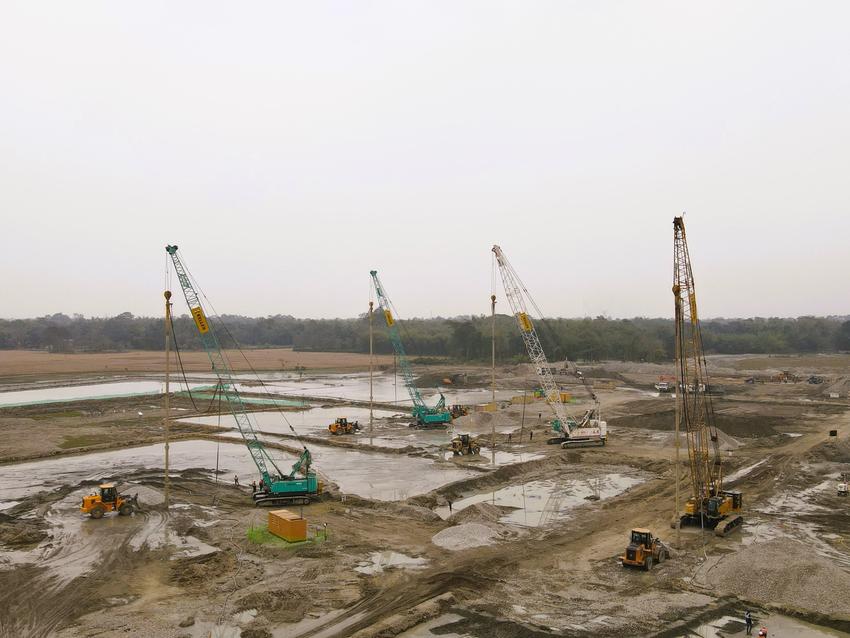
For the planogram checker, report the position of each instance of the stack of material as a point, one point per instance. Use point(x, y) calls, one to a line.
point(288, 526)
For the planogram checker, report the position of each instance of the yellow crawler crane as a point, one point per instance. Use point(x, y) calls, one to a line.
point(710, 506)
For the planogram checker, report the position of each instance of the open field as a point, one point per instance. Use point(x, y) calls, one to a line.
point(31, 363)
point(528, 549)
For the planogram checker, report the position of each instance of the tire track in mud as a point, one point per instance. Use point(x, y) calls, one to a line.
point(60, 579)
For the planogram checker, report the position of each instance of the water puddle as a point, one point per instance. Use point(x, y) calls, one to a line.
point(377, 476)
point(354, 387)
point(539, 503)
point(380, 561)
point(778, 626)
point(314, 421)
point(502, 457)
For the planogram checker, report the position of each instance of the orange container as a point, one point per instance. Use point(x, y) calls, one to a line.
point(288, 526)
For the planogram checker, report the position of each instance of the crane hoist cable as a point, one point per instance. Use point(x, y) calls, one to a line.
point(590, 429)
point(218, 320)
point(216, 391)
point(276, 487)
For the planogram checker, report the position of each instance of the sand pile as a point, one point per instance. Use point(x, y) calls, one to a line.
point(787, 573)
point(149, 496)
point(483, 422)
point(840, 385)
point(478, 513)
point(465, 536)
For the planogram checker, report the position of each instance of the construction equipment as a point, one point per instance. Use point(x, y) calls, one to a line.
point(425, 417)
point(644, 550)
point(343, 426)
point(589, 429)
point(786, 376)
point(459, 410)
point(709, 506)
point(844, 485)
point(301, 484)
point(109, 500)
point(464, 444)
point(665, 384)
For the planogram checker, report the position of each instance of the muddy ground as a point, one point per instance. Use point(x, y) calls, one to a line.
point(204, 567)
point(32, 364)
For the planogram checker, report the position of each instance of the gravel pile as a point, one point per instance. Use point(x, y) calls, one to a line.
point(788, 573)
point(465, 536)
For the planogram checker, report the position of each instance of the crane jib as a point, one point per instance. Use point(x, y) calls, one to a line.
point(265, 464)
point(569, 428)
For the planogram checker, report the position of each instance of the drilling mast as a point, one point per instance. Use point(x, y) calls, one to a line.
point(709, 505)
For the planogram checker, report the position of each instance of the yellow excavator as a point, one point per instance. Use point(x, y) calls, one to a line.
point(109, 500)
point(710, 506)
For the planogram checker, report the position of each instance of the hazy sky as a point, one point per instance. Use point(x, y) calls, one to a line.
point(290, 147)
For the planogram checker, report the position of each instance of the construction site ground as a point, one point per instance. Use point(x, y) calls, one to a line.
point(408, 539)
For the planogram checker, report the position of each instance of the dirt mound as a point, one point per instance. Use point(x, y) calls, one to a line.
point(478, 513)
point(465, 536)
point(839, 385)
point(734, 425)
point(278, 605)
point(148, 496)
point(201, 570)
point(21, 534)
point(482, 422)
point(787, 573)
point(837, 451)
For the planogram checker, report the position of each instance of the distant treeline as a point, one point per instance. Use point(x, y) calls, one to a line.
point(461, 338)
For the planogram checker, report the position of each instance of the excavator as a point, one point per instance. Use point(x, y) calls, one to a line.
point(109, 500)
point(589, 429)
point(709, 506)
point(298, 486)
point(465, 444)
point(424, 416)
point(343, 426)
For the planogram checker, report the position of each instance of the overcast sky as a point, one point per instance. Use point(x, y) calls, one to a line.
point(290, 147)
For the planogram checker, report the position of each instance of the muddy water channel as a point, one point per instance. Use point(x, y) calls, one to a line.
point(539, 503)
point(312, 421)
point(88, 392)
point(315, 421)
point(377, 476)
